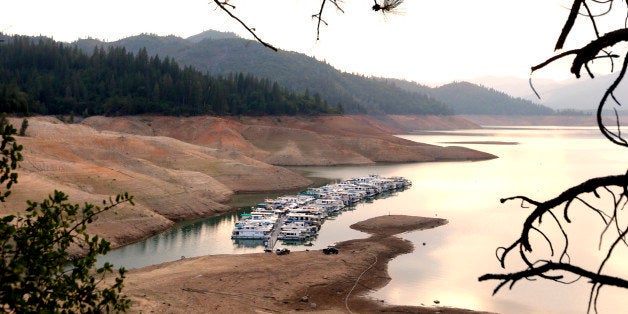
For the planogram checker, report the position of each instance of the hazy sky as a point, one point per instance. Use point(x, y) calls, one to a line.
point(429, 41)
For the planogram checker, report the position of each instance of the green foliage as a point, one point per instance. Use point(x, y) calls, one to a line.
point(11, 155)
point(297, 72)
point(13, 99)
point(37, 273)
point(58, 79)
point(23, 127)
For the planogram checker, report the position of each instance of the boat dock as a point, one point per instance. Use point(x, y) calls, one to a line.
point(299, 217)
point(269, 245)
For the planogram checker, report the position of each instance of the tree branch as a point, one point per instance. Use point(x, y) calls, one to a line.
point(571, 19)
point(590, 51)
point(615, 138)
point(543, 268)
point(319, 15)
point(223, 5)
point(550, 266)
point(567, 195)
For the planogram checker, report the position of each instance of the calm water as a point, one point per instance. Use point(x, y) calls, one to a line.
point(543, 163)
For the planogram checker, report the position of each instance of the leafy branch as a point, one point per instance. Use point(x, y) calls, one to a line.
point(37, 272)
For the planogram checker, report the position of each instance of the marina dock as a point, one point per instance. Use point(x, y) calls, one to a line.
point(269, 244)
point(299, 217)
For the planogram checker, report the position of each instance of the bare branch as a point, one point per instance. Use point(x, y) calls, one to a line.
point(550, 266)
point(590, 51)
point(554, 58)
point(615, 138)
point(592, 18)
point(319, 15)
point(573, 14)
point(546, 269)
point(224, 6)
point(532, 87)
point(569, 194)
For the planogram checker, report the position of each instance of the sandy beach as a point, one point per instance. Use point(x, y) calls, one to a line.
point(270, 283)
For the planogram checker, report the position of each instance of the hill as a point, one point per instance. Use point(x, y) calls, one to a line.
point(42, 76)
point(211, 34)
point(217, 55)
point(467, 98)
point(223, 53)
point(578, 94)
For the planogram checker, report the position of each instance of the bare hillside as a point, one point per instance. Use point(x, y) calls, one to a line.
point(186, 168)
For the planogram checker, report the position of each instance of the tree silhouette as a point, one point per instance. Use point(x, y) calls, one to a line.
point(378, 6)
point(605, 197)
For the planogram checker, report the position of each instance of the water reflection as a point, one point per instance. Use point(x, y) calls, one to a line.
point(545, 162)
point(213, 236)
point(248, 243)
point(188, 239)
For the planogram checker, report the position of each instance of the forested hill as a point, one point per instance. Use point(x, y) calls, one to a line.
point(41, 76)
point(469, 98)
point(220, 53)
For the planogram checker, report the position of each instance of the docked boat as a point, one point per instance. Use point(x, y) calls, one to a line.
point(304, 226)
point(292, 235)
point(297, 230)
point(253, 229)
point(304, 213)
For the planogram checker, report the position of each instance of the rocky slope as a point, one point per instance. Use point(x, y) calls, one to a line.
point(186, 168)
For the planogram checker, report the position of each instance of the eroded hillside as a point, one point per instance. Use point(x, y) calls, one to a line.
point(186, 168)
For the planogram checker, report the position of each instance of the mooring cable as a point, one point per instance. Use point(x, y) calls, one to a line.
point(356, 283)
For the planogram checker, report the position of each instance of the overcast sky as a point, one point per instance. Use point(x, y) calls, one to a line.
point(428, 41)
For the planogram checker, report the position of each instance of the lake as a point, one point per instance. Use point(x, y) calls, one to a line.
point(535, 162)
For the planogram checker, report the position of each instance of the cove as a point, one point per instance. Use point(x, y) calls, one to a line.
point(537, 162)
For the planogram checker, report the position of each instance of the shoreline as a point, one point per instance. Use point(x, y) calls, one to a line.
point(299, 281)
point(185, 168)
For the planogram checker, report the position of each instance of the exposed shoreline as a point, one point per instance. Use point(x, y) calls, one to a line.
point(190, 168)
point(187, 168)
point(299, 281)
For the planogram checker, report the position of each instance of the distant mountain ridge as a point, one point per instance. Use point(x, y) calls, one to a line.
point(211, 35)
point(468, 98)
point(579, 94)
point(224, 53)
